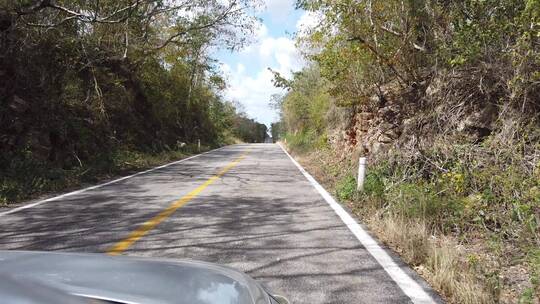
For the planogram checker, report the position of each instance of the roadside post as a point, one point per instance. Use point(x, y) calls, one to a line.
point(361, 174)
point(198, 145)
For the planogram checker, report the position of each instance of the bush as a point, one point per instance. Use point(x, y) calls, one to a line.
point(306, 141)
point(346, 188)
point(374, 184)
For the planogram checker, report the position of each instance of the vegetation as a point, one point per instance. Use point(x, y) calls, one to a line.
point(89, 86)
point(366, 45)
point(443, 96)
point(303, 109)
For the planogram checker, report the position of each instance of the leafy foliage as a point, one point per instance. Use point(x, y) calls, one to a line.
point(363, 47)
point(346, 188)
point(451, 89)
point(303, 109)
point(85, 81)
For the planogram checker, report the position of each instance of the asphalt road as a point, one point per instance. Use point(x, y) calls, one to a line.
point(244, 206)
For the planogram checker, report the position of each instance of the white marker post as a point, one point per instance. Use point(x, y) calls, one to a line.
point(198, 145)
point(361, 174)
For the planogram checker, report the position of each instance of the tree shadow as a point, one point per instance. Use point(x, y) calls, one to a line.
point(262, 217)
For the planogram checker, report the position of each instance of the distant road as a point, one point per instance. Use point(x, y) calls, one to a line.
point(245, 206)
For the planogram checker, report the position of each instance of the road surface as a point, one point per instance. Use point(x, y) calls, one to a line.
point(245, 206)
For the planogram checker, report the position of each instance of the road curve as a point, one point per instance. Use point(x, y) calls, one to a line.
point(244, 206)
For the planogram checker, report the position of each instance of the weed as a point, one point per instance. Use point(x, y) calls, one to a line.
point(411, 239)
point(440, 260)
point(527, 297)
point(346, 188)
point(374, 185)
point(460, 193)
point(534, 265)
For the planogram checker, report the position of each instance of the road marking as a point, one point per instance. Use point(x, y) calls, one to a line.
point(10, 211)
point(152, 223)
point(407, 284)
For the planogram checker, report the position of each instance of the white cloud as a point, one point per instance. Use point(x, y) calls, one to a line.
point(254, 90)
point(279, 53)
point(281, 50)
point(261, 32)
point(240, 68)
point(279, 9)
point(307, 21)
point(250, 81)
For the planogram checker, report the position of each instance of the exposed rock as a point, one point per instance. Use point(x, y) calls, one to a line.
point(479, 123)
point(364, 116)
point(378, 148)
point(385, 126)
point(363, 128)
point(394, 133)
point(385, 138)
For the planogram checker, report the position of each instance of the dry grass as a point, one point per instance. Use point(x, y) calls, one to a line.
point(437, 258)
point(454, 277)
point(440, 262)
point(411, 240)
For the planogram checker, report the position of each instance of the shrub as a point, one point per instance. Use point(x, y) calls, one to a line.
point(305, 141)
point(346, 188)
point(374, 184)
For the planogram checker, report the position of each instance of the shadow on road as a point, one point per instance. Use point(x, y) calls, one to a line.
point(262, 217)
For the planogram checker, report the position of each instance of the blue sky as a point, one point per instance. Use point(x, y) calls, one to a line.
point(250, 82)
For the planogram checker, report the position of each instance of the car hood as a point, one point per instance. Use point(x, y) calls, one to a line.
point(132, 280)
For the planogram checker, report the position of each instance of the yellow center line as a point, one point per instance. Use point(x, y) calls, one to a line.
point(143, 229)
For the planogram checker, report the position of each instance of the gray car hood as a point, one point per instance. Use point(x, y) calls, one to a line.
point(131, 280)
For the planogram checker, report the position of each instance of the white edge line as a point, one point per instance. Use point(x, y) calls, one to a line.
point(408, 285)
point(101, 185)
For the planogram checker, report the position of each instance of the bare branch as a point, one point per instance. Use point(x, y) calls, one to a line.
point(214, 22)
point(126, 39)
point(393, 32)
point(80, 16)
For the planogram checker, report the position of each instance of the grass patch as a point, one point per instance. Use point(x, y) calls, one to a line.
point(438, 260)
point(465, 217)
point(534, 264)
point(25, 178)
point(303, 142)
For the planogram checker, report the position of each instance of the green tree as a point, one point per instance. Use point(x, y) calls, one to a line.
point(304, 107)
point(86, 81)
point(276, 131)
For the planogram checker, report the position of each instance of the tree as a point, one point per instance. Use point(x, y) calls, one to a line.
point(276, 131)
point(369, 48)
point(83, 81)
point(365, 45)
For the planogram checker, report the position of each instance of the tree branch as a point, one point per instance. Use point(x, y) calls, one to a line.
point(391, 31)
point(380, 56)
point(43, 4)
point(214, 22)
